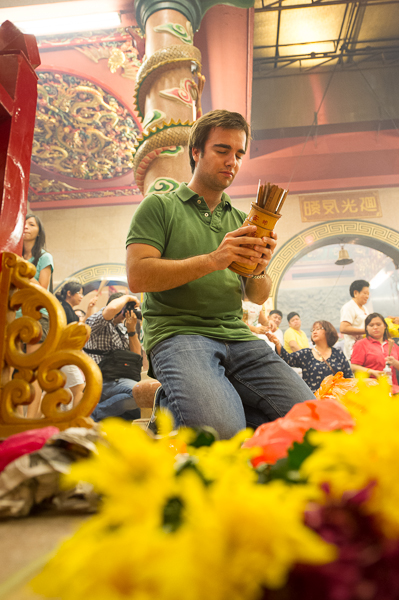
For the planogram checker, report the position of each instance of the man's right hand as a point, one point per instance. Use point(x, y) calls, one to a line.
point(130, 321)
point(237, 246)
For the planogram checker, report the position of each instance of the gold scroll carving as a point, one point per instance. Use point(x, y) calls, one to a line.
point(62, 346)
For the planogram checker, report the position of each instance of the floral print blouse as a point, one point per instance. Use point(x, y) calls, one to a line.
point(314, 371)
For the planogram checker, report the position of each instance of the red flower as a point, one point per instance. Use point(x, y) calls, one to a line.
point(275, 438)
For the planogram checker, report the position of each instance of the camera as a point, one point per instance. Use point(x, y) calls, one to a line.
point(131, 306)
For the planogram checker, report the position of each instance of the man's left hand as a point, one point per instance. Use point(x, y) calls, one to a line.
point(267, 252)
point(130, 321)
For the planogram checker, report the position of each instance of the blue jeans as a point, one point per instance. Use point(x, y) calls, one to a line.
point(117, 401)
point(226, 385)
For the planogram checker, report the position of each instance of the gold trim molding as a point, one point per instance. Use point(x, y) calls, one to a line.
point(95, 272)
point(62, 346)
point(318, 235)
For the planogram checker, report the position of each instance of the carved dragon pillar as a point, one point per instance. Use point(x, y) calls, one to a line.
point(167, 96)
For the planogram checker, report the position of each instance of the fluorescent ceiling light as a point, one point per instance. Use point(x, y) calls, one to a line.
point(70, 24)
point(379, 279)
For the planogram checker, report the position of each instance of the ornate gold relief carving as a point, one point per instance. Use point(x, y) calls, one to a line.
point(81, 130)
point(62, 346)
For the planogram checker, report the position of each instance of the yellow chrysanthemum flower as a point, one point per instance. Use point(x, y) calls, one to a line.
point(351, 461)
point(252, 534)
point(215, 461)
point(228, 539)
point(132, 470)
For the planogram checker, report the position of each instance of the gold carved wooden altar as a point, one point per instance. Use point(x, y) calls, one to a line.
point(62, 346)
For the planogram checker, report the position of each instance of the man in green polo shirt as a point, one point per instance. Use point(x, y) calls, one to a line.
point(213, 370)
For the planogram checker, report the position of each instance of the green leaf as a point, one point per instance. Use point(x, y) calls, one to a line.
point(287, 469)
point(172, 514)
point(203, 436)
point(298, 453)
point(190, 464)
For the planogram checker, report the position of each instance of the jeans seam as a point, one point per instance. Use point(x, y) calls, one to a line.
point(174, 401)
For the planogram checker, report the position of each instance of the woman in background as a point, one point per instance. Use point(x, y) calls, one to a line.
point(321, 360)
point(71, 295)
point(34, 251)
point(376, 354)
point(34, 242)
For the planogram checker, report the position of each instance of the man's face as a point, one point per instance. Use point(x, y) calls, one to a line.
point(119, 318)
point(362, 296)
point(295, 323)
point(276, 318)
point(221, 160)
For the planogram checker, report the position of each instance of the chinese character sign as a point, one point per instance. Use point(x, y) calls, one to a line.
point(342, 205)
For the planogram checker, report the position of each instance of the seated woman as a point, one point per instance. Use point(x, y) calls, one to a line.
point(71, 295)
point(376, 354)
point(321, 360)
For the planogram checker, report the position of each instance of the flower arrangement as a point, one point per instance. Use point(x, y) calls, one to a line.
point(187, 517)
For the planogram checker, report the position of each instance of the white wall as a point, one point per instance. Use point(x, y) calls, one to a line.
point(80, 237)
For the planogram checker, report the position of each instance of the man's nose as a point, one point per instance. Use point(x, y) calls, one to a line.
point(231, 159)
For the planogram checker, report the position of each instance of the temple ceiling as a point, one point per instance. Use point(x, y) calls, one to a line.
point(317, 80)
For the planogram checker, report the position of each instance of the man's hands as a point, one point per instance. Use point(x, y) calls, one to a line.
point(130, 316)
point(130, 321)
point(149, 272)
point(261, 329)
point(241, 246)
point(91, 308)
point(275, 341)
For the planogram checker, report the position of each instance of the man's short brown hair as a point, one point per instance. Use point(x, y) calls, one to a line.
point(216, 118)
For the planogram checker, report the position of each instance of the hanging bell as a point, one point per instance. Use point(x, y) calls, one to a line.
point(343, 258)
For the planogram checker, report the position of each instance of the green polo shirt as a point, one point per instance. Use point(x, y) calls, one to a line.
point(179, 224)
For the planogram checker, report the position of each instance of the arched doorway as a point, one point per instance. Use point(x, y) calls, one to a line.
point(106, 277)
point(301, 283)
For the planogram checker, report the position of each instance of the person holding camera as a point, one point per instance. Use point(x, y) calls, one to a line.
point(115, 347)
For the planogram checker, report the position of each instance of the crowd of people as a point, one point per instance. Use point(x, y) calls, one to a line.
point(220, 359)
point(112, 328)
point(369, 345)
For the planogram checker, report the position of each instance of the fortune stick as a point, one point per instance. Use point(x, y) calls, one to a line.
point(270, 197)
point(264, 213)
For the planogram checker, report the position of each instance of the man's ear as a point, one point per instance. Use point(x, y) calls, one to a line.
point(195, 154)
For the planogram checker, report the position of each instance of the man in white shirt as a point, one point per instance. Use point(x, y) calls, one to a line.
point(276, 316)
point(353, 315)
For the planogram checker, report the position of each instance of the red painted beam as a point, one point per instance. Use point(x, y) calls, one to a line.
point(18, 93)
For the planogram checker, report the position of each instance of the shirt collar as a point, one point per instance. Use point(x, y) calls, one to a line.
point(376, 341)
point(185, 194)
